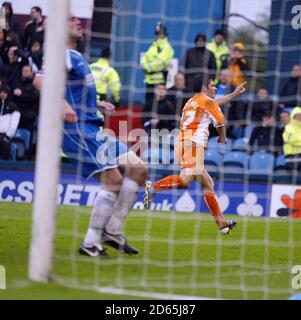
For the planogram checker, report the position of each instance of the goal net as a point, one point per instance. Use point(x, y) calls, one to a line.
point(181, 254)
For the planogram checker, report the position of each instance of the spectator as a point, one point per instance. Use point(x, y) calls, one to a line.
point(11, 71)
point(219, 47)
point(284, 118)
point(26, 98)
point(156, 60)
point(159, 112)
point(39, 34)
point(267, 137)
point(178, 94)
point(234, 111)
point(198, 60)
point(35, 56)
point(261, 105)
point(224, 86)
point(292, 140)
point(4, 44)
point(12, 25)
point(106, 78)
point(9, 120)
point(237, 64)
point(31, 27)
point(289, 92)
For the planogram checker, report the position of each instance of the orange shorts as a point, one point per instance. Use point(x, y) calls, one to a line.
point(190, 155)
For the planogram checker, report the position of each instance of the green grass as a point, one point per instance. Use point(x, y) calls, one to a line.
point(179, 254)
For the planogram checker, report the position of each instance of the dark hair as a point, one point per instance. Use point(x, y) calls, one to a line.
point(5, 88)
point(9, 6)
point(200, 36)
point(38, 9)
point(219, 31)
point(268, 114)
point(200, 80)
point(27, 65)
point(160, 27)
point(284, 111)
point(106, 53)
point(33, 41)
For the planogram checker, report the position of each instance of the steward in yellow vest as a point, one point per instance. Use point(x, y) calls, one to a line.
point(156, 60)
point(106, 78)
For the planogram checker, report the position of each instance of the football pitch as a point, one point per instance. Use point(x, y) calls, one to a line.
point(180, 254)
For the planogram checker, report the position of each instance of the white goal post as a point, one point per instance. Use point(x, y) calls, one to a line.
point(49, 142)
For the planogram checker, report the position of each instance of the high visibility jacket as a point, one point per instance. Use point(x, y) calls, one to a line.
point(292, 134)
point(106, 79)
point(156, 60)
point(220, 51)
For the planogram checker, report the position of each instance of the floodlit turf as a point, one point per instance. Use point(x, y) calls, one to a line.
point(179, 254)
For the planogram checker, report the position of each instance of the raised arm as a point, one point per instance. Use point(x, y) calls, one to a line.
point(239, 90)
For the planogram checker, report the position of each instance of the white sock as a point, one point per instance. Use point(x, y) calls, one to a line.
point(101, 213)
point(125, 202)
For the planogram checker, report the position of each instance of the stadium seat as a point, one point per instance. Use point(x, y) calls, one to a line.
point(212, 157)
point(212, 162)
point(240, 145)
point(234, 165)
point(280, 162)
point(261, 166)
point(22, 140)
point(237, 132)
point(261, 162)
point(248, 131)
point(221, 148)
point(281, 174)
point(13, 151)
point(24, 135)
point(236, 159)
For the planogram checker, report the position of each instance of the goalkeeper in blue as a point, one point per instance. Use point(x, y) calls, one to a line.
point(119, 170)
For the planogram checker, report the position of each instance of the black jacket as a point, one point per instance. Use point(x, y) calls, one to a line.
point(7, 107)
point(198, 60)
point(11, 72)
point(30, 34)
point(289, 92)
point(267, 138)
point(178, 98)
point(28, 101)
point(260, 108)
point(162, 110)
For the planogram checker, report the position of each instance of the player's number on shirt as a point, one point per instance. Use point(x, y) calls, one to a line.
point(189, 117)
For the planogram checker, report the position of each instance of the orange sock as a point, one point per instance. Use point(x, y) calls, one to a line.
point(214, 208)
point(170, 182)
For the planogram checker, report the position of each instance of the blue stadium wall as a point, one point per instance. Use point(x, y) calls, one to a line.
point(133, 31)
point(284, 43)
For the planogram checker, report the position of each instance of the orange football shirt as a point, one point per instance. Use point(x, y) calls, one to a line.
point(197, 114)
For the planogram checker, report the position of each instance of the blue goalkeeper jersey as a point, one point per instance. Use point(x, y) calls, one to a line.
point(81, 89)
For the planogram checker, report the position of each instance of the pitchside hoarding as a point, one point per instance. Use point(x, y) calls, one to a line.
point(236, 198)
point(286, 201)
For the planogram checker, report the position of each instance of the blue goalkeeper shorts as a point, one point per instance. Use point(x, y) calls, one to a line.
point(89, 150)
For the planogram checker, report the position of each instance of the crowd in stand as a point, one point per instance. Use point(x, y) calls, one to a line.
point(21, 54)
point(20, 58)
point(269, 120)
